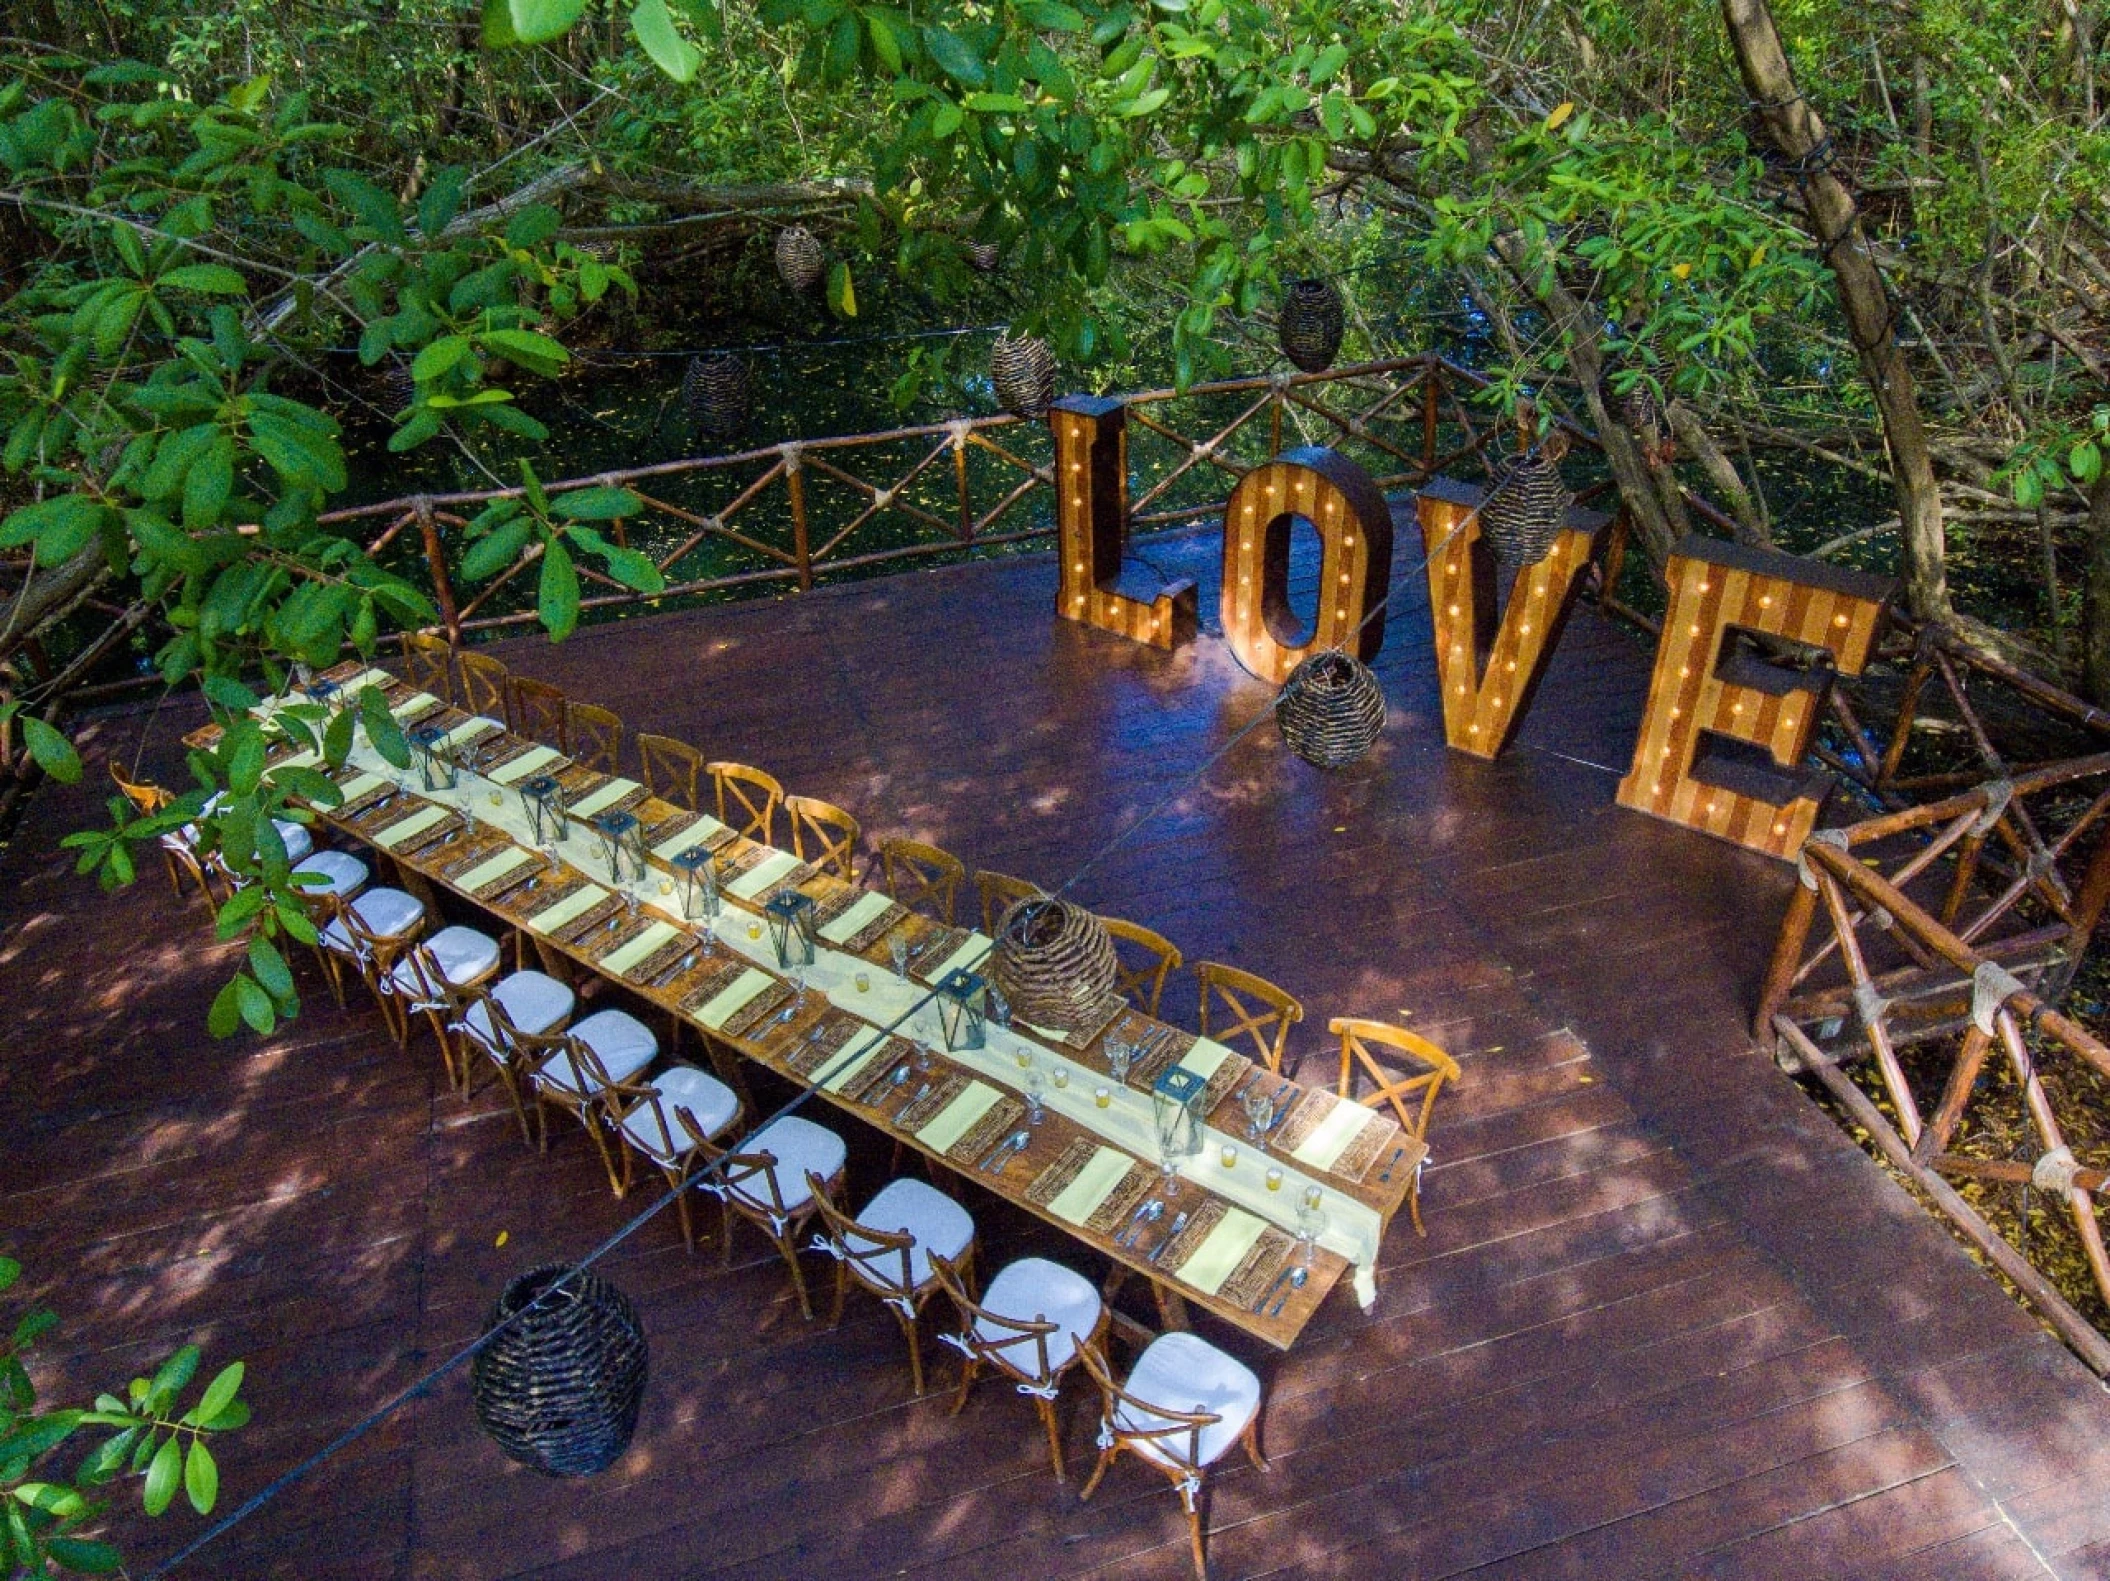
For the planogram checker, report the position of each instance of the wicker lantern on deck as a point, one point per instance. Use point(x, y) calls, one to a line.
point(1526, 503)
point(1310, 324)
point(559, 1389)
point(1331, 710)
point(1054, 963)
point(801, 260)
point(717, 393)
point(1023, 370)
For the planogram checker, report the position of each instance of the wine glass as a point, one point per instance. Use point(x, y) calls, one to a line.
point(1036, 1098)
point(897, 951)
point(798, 993)
point(1259, 1112)
point(1311, 1223)
point(1119, 1053)
point(1168, 1168)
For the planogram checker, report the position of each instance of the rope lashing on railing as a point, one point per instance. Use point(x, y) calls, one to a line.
point(2055, 1172)
point(788, 456)
point(1870, 1006)
point(1998, 794)
point(1835, 838)
point(958, 430)
point(1992, 985)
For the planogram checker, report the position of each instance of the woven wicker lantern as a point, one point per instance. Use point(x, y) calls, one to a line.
point(1023, 370)
point(801, 260)
point(1331, 709)
point(559, 1390)
point(396, 385)
point(717, 393)
point(984, 257)
point(1526, 503)
point(1054, 963)
point(1310, 323)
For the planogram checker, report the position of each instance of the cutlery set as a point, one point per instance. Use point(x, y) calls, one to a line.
point(1006, 1150)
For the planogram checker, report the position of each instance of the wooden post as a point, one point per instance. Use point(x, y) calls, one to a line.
point(1431, 394)
point(1787, 957)
point(959, 473)
point(436, 564)
point(1091, 519)
point(795, 481)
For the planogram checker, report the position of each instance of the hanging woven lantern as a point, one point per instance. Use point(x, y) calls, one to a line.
point(1309, 325)
point(395, 384)
point(801, 260)
point(559, 1390)
point(984, 256)
point(1023, 370)
point(1331, 709)
point(1526, 503)
point(1054, 963)
point(717, 393)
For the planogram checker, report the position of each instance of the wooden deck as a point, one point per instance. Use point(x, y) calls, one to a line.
point(1666, 1321)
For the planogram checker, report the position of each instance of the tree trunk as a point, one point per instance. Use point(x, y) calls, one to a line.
point(2095, 597)
point(1800, 134)
point(1722, 476)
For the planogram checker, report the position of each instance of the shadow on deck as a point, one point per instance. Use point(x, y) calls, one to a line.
point(1667, 1319)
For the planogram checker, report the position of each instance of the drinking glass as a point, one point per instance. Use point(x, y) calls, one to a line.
point(1102, 1097)
point(1119, 1054)
point(1059, 1077)
point(1168, 1169)
point(1036, 1097)
point(1311, 1223)
point(897, 951)
point(863, 980)
point(1274, 1179)
point(1259, 1112)
point(798, 995)
point(1229, 1155)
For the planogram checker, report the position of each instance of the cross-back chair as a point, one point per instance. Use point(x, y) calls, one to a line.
point(1033, 1352)
point(767, 1183)
point(1252, 1007)
point(1412, 1096)
point(593, 735)
point(484, 689)
point(430, 977)
point(1143, 961)
point(829, 830)
point(495, 1019)
point(537, 709)
point(370, 932)
point(659, 1120)
point(888, 1249)
point(747, 799)
point(999, 892)
point(922, 876)
point(1185, 1404)
point(428, 664)
point(673, 770)
point(334, 873)
point(577, 1068)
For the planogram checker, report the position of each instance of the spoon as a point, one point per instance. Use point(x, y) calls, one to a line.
point(1152, 1212)
point(1296, 1282)
point(1014, 1143)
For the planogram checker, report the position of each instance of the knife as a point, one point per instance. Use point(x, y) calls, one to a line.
point(1137, 1220)
point(1275, 1285)
point(1171, 1235)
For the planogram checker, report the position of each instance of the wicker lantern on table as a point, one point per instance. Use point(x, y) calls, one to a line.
point(559, 1389)
point(1331, 710)
point(1526, 503)
point(1023, 370)
point(1310, 324)
point(717, 393)
point(1054, 963)
point(801, 260)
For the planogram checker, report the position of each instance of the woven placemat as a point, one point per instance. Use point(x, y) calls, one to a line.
point(1304, 1118)
point(708, 962)
point(981, 1137)
point(429, 839)
point(720, 979)
point(741, 863)
point(1234, 1069)
point(935, 950)
point(1250, 1280)
point(577, 781)
point(660, 960)
point(506, 883)
point(918, 1112)
point(1164, 1053)
point(483, 843)
point(1357, 1157)
point(1084, 1036)
point(522, 902)
point(677, 822)
point(1192, 1234)
point(594, 916)
point(609, 940)
point(355, 809)
point(1051, 1182)
point(1123, 1200)
point(871, 1086)
point(502, 753)
point(829, 907)
point(867, 936)
point(742, 1022)
point(826, 1038)
point(790, 880)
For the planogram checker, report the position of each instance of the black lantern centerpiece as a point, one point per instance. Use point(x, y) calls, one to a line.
point(1177, 1098)
point(1310, 324)
point(791, 932)
point(963, 1009)
point(542, 799)
point(1331, 710)
point(438, 768)
point(699, 885)
point(559, 1384)
point(1055, 963)
point(623, 843)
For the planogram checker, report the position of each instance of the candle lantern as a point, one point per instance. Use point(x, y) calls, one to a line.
point(437, 767)
point(623, 843)
point(791, 929)
point(699, 883)
point(963, 1009)
point(1176, 1100)
point(542, 798)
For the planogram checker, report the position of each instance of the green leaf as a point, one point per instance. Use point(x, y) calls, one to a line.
point(245, 759)
point(1051, 17)
point(54, 754)
point(557, 594)
point(438, 357)
point(498, 25)
point(996, 104)
point(537, 353)
point(271, 971)
point(167, 1465)
point(84, 1555)
point(209, 485)
point(254, 1004)
point(337, 739)
point(10, 1271)
point(225, 1014)
point(376, 210)
point(175, 1375)
point(956, 58)
point(382, 730)
point(497, 549)
point(842, 293)
point(539, 21)
point(226, 1384)
point(656, 33)
point(630, 567)
point(231, 694)
point(884, 44)
point(597, 504)
point(201, 1477)
point(441, 200)
point(210, 279)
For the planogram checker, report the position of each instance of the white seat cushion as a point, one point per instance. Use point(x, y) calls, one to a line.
point(623, 1044)
point(798, 1145)
point(1036, 1290)
point(386, 913)
point(532, 1001)
point(343, 873)
point(938, 1223)
point(708, 1100)
point(462, 955)
point(295, 837)
point(1183, 1372)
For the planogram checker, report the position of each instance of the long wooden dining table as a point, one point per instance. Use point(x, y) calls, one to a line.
point(1256, 1231)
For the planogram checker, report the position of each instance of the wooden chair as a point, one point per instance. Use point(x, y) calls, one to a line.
point(767, 1184)
point(919, 874)
point(537, 709)
point(432, 973)
point(496, 1019)
point(661, 1119)
point(428, 664)
point(593, 735)
point(831, 831)
point(888, 1248)
point(752, 797)
point(577, 1070)
point(370, 933)
point(1266, 1028)
point(1435, 1068)
point(484, 685)
point(999, 891)
point(1033, 1352)
point(1144, 960)
point(1222, 1408)
point(340, 876)
point(673, 770)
